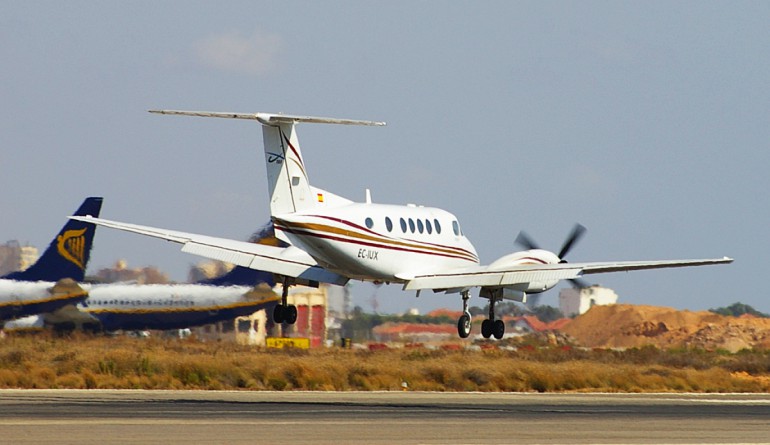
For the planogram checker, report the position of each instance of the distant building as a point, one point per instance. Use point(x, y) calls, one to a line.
point(206, 270)
point(529, 323)
point(247, 330)
point(578, 301)
point(14, 257)
point(312, 320)
point(121, 273)
point(414, 333)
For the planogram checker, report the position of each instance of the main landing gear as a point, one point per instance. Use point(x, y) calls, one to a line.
point(489, 327)
point(284, 312)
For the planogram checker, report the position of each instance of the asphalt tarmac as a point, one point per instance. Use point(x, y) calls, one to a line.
point(185, 417)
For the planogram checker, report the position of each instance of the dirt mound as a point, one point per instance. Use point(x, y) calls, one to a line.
point(626, 326)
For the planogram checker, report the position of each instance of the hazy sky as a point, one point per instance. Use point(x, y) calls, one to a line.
point(648, 122)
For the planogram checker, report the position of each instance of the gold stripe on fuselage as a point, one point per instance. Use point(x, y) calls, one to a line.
point(388, 242)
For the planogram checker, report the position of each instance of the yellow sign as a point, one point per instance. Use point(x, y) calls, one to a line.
point(71, 245)
point(298, 343)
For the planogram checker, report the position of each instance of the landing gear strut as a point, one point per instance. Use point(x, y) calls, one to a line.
point(464, 323)
point(284, 312)
point(490, 326)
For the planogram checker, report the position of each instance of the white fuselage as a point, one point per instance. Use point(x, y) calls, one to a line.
point(163, 306)
point(21, 298)
point(379, 242)
point(14, 291)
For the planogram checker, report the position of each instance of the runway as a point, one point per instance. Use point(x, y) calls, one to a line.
point(176, 417)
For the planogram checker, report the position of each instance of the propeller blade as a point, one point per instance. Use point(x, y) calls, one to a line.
point(526, 242)
point(577, 232)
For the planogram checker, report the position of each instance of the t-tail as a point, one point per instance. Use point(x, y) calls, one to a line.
point(288, 183)
point(67, 255)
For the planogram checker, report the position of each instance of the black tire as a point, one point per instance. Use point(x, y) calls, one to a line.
point(290, 314)
point(486, 328)
point(278, 314)
point(464, 325)
point(498, 329)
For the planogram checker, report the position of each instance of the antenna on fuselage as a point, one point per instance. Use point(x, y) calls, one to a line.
point(368, 196)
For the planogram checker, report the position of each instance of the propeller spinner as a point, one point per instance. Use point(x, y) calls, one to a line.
point(577, 232)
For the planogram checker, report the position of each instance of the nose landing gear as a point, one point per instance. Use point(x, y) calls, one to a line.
point(464, 323)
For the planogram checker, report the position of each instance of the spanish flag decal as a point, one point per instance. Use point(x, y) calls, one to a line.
point(320, 197)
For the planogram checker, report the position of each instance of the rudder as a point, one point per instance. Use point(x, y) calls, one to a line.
point(288, 184)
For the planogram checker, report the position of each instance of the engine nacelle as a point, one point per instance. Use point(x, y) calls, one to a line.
point(533, 257)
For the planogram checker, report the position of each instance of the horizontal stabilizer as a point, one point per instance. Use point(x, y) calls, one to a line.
point(270, 119)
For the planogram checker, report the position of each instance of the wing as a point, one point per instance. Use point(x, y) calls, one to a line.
point(485, 277)
point(286, 261)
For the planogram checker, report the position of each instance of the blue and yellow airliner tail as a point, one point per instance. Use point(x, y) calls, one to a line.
point(68, 254)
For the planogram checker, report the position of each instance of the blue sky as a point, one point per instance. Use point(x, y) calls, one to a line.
point(647, 122)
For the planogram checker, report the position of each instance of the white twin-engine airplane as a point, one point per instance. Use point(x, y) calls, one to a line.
point(333, 240)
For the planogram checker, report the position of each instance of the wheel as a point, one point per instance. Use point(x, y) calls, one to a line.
point(486, 328)
point(290, 314)
point(498, 329)
point(464, 325)
point(278, 314)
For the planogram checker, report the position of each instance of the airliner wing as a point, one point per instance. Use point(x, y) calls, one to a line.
point(528, 273)
point(288, 261)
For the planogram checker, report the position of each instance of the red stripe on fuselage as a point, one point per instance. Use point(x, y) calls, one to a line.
point(459, 250)
point(369, 244)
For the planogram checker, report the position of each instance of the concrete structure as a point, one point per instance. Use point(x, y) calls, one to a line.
point(578, 301)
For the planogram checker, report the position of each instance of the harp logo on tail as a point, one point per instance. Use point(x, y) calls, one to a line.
point(71, 246)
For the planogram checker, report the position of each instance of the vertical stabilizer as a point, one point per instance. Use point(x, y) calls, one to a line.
point(67, 255)
point(287, 181)
point(288, 184)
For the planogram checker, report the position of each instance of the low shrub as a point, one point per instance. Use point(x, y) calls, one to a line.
point(158, 363)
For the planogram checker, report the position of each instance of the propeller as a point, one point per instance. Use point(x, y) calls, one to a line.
point(528, 243)
point(577, 232)
point(525, 241)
